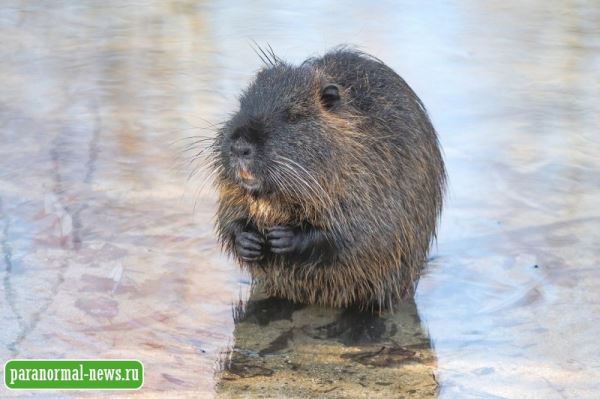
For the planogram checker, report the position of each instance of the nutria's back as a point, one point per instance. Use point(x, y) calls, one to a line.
point(331, 181)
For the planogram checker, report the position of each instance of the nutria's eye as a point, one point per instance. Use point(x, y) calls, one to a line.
point(330, 96)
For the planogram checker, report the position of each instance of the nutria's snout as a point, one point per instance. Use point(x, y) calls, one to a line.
point(242, 149)
point(242, 154)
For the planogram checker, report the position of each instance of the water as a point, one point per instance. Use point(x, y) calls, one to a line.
point(108, 249)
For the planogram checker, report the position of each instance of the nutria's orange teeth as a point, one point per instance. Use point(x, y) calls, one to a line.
point(245, 175)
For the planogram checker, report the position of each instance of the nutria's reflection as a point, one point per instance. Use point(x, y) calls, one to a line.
point(284, 349)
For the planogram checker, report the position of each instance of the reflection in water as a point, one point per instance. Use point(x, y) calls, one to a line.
point(284, 349)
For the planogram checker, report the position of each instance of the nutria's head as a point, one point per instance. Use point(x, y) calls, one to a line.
point(282, 139)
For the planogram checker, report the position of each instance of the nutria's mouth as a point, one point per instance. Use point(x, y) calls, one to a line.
point(247, 180)
point(245, 175)
point(250, 185)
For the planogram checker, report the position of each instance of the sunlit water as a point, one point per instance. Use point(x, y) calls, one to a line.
point(108, 249)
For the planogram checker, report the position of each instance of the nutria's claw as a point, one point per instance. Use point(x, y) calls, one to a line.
point(282, 239)
point(249, 246)
point(255, 240)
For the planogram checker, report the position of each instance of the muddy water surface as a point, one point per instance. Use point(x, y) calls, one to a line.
point(107, 247)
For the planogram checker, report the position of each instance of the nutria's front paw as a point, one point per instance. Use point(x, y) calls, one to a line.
point(282, 239)
point(249, 246)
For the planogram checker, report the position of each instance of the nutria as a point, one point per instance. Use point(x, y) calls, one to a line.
point(330, 181)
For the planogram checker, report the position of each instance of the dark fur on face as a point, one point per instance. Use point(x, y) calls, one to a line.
point(275, 133)
point(330, 180)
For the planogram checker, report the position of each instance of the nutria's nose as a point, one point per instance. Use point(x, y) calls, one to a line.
point(241, 149)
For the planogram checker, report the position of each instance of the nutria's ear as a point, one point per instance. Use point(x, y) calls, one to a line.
point(330, 95)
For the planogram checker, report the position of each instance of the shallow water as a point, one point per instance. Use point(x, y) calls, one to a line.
point(108, 249)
